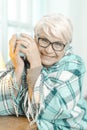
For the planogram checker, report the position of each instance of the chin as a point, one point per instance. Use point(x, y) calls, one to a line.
point(48, 63)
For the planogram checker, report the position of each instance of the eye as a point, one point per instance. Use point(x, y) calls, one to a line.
point(45, 40)
point(58, 44)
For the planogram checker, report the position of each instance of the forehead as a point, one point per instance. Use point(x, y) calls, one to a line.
point(51, 37)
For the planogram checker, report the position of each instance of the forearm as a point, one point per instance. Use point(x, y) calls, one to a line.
point(17, 82)
point(32, 75)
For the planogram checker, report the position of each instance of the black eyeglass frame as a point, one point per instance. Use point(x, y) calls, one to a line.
point(59, 42)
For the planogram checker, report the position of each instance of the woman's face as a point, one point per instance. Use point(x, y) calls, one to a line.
point(48, 55)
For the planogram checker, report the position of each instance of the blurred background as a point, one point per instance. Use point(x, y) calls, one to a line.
point(21, 15)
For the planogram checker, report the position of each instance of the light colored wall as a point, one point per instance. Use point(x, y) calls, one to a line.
point(78, 9)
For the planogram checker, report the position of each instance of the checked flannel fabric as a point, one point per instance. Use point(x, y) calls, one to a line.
point(7, 98)
point(60, 105)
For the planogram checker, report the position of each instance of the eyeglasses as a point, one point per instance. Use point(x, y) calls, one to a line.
point(57, 46)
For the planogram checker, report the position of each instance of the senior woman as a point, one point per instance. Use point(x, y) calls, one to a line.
point(45, 85)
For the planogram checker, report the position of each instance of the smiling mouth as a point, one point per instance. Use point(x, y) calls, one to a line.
point(47, 56)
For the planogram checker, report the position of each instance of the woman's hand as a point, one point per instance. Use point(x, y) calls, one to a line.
point(17, 61)
point(30, 49)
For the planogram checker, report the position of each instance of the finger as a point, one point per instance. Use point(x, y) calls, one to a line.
point(17, 50)
point(21, 48)
point(22, 43)
point(26, 36)
point(12, 43)
point(22, 52)
point(23, 39)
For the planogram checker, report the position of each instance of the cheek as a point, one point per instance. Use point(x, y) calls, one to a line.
point(40, 49)
point(60, 55)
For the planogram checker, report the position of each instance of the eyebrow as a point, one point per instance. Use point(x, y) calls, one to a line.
point(50, 41)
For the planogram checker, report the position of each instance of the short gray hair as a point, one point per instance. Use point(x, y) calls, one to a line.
point(55, 24)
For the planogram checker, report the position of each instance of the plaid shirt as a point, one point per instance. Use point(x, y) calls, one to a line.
point(60, 105)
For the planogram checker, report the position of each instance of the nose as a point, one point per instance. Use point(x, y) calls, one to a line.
point(49, 49)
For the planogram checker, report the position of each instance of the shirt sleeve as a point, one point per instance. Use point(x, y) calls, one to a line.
point(9, 101)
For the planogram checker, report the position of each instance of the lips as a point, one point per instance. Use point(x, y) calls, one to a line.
point(49, 56)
